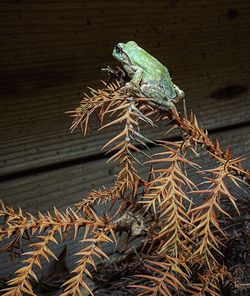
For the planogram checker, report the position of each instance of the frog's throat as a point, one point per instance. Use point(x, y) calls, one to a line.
point(124, 58)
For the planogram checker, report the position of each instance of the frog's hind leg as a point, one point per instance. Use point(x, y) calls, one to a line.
point(157, 96)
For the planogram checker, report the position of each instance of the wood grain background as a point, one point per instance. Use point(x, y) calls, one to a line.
point(51, 50)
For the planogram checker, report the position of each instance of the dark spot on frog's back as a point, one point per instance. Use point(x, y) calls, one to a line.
point(229, 92)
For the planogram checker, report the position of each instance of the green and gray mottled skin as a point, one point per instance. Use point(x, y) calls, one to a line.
point(147, 74)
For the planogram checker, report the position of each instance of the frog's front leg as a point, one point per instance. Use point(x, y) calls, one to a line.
point(136, 74)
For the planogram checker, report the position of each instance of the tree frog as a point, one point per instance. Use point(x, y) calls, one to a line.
point(147, 75)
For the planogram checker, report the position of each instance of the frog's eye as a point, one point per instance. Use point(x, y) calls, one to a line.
point(118, 48)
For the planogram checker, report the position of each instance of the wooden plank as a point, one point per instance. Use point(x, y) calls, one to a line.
point(68, 185)
point(70, 38)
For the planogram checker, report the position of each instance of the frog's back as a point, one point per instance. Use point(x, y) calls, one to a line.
point(147, 62)
point(154, 69)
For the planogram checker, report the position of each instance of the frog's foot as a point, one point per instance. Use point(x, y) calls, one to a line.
point(117, 74)
point(130, 88)
point(179, 94)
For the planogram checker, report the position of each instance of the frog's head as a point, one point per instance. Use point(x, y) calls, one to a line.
point(122, 51)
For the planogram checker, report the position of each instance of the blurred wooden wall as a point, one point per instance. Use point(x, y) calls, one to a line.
point(50, 52)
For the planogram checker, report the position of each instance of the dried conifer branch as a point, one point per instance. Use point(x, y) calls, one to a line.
point(18, 224)
point(74, 284)
point(123, 148)
point(30, 225)
point(14, 226)
point(59, 223)
point(166, 276)
point(198, 135)
point(205, 216)
point(100, 196)
point(166, 197)
point(98, 102)
point(123, 152)
point(168, 200)
point(14, 221)
point(20, 284)
point(175, 243)
point(210, 282)
point(113, 94)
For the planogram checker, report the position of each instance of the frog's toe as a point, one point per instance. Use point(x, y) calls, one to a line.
point(126, 90)
point(129, 89)
point(179, 93)
point(130, 86)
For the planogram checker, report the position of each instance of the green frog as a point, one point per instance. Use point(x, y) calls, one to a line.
point(147, 75)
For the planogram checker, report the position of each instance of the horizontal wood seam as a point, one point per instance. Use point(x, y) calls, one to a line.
point(99, 156)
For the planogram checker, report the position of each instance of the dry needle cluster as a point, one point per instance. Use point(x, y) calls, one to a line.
point(162, 233)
